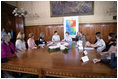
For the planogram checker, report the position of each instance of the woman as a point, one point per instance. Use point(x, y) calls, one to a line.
point(67, 37)
point(55, 37)
point(20, 43)
point(111, 42)
point(7, 51)
point(41, 39)
point(100, 44)
point(7, 48)
point(80, 36)
point(31, 42)
point(113, 58)
point(109, 48)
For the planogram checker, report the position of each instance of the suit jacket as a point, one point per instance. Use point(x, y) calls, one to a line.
point(111, 62)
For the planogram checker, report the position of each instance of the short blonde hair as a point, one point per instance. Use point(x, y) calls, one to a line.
point(30, 35)
point(20, 36)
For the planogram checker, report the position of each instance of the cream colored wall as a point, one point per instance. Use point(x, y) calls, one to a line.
point(39, 13)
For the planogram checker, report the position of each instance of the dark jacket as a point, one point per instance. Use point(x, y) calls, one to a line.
point(111, 62)
point(108, 45)
point(41, 41)
point(83, 38)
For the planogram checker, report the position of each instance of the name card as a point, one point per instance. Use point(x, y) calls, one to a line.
point(85, 58)
point(85, 52)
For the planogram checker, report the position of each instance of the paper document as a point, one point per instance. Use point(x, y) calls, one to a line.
point(85, 58)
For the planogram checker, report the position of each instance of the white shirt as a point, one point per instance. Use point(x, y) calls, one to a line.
point(101, 45)
point(20, 45)
point(55, 38)
point(67, 38)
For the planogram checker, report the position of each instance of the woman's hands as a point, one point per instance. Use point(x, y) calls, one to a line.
point(96, 60)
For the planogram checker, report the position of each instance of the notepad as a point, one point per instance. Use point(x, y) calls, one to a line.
point(85, 58)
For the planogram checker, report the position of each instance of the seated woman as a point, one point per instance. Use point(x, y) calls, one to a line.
point(100, 44)
point(80, 36)
point(7, 48)
point(41, 39)
point(112, 61)
point(67, 38)
point(55, 37)
point(111, 42)
point(20, 43)
point(31, 42)
point(109, 47)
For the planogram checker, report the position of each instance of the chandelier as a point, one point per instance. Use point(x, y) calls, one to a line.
point(19, 12)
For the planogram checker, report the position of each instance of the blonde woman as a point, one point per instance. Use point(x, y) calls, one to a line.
point(31, 42)
point(20, 43)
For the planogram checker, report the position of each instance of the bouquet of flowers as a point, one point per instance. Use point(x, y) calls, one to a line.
point(63, 48)
point(52, 48)
point(59, 46)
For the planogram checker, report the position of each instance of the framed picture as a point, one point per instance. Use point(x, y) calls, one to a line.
point(71, 25)
point(71, 8)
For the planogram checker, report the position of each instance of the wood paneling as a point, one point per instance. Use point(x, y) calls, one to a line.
point(19, 24)
point(88, 29)
point(8, 20)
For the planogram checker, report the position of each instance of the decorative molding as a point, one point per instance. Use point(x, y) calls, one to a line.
point(79, 75)
point(57, 73)
point(19, 68)
point(69, 74)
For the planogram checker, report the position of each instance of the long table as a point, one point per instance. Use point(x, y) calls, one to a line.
point(59, 64)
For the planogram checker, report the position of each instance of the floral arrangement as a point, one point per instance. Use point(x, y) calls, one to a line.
point(63, 46)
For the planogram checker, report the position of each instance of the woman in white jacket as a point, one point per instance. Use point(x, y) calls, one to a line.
point(20, 43)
